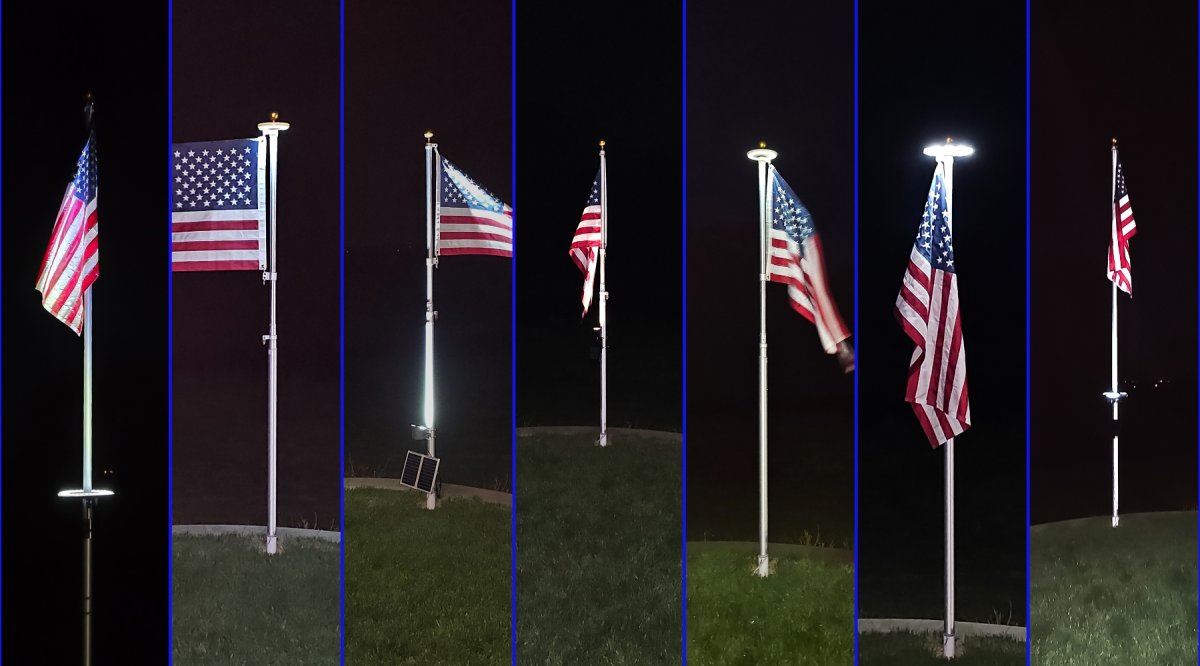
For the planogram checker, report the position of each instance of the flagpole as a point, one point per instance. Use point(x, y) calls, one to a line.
point(945, 154)
point(603, 300)
point(1114, 395)
point(430, 314)
point(763, 156)
point(271, 131)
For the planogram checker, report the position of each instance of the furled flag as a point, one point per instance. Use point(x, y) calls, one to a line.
point(218, 206)
point(588, 237)
point(72, 261)
point(927, 308)
point(1123, 228)
point(469, 219)
point(797, 260)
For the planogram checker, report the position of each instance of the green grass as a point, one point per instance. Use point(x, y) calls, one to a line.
point(1115, 596)
point(234, 605)
point(598, 551)
point(905, 649)
point(426, 587)
point(803, 613)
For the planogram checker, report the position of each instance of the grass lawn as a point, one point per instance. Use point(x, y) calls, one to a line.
point(1115, 596)
point(803, 613)
point(426, 587)
point(903, 648)
point(234, 605)
point(598, 550)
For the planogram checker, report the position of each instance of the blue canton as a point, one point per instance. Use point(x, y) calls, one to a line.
point(459, 190)
point(214, 175)
point(934, 239)
point(788, 213)
point(85, 172)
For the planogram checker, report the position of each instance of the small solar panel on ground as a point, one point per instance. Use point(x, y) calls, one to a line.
point(420, 471)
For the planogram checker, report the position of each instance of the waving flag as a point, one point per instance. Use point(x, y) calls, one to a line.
point(1123, 228)
point(587, 240)
point(72, 260)
point(469, 219)
point(927, 308)
point(218, 206)
point(797, 260)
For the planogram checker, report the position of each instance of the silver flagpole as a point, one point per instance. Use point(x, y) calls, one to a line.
point(1114, 395)
point(271, 130)
point(603, 300)
point(431, 183)
point(763, 156)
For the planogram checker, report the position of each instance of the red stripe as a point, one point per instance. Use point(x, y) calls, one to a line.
point(589, 216)
point(471, 219)
point(475, 235)
point(214, 225)
point(931, 395)
point(196, 246)
point(477, 250)
point(239, 265)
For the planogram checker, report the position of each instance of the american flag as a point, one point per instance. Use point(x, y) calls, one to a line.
point(588, 237)
point(469, 219)
point(72, 260)
point(797, 260)
point(218, 206)
point(1123, 228)
point(927, 308)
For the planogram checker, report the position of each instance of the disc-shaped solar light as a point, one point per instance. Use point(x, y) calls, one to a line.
point(949, 149)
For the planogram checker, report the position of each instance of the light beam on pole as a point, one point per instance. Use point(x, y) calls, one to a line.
point(271, 131)
point(603, 441)
point(431, 184)
point(763, 156)
point(945, 154)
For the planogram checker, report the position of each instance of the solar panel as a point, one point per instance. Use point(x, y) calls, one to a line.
point(420, 471)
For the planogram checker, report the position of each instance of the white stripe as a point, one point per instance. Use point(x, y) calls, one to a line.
point(480, 244)
point(813, 269)
point(948, 319)
point(476, 229)
point(927, 371)
point(184, 256)
point(230, 235)
point(218, 216)
point(935, 423)
point(454, 211)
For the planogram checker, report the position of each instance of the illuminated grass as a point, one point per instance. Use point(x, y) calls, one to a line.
point(426, 587)
point(234, 605)
point(1115, 596)
point(918, 649)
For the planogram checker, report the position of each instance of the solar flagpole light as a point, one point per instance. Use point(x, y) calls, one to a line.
point(1114, 395)
point(88, 494)
point(945, 154)
point(603, 441)
point(432, 181)
point(763, 156)
point(271, 130)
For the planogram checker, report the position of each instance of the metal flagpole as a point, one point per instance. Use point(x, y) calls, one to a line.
point(763, 156)
point(271, 130)
point(603, 300)
point(431, 183)
point(945, 155)
point(89, 495)
point(1114, 395)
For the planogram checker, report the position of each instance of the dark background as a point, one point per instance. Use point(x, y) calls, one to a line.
point(234, 65)
point(443, 67)
point(926, 72)
point(1087, 90)
point(120, 54)
point(798, 96)
point(609, 72)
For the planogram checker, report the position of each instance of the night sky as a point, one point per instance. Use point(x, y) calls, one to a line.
point(1087, 90)
point(798, 97)
point(410, 68)
point(45, 77)
point(928, 72)
point(279, 57)
point(609, 71)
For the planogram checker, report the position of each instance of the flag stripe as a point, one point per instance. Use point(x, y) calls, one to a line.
point(71, 263)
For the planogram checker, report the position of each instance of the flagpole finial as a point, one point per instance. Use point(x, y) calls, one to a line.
point(428, 136)
point(88, 108)
point(762, 144)
point(949, 140)
point(602, 142)
point(1114, 142)
point(274, 116)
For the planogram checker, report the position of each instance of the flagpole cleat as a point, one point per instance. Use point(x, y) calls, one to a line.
point(1115, 396)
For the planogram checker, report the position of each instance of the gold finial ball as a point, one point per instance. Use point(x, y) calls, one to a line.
point(762, 144)
point(428, 135)
point(1114, 140)
point(602, 143)
point(274, 116)
point(87, 97)
point(949, 140)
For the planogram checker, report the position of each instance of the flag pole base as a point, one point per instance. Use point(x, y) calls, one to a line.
point(272, 544)
point(764, 566)
point(603, 440)
point(431, 501)
point(948, 646)
point(1116, 520)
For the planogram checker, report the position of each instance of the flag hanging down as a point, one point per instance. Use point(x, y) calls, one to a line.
point(927, 308)
point(797, 260)
point(588, 238)
point(72, 260)
point(1123, 228)
point(469, 219)
point(218, 206)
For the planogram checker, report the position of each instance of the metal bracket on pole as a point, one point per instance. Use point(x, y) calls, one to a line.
point(269, 276)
